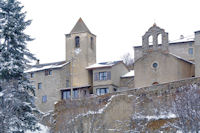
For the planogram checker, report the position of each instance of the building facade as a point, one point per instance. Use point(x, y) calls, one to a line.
point(75, 77)
point(161, 62)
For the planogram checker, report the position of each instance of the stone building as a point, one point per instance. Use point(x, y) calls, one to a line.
point(161, 62)
point(77, 76)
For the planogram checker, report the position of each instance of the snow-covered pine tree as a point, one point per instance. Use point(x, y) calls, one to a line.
point(16, 104)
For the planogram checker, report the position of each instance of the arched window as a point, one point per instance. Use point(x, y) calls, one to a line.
point(91, 42)
point(159, 39)
point(150, 39)
point(77, 42)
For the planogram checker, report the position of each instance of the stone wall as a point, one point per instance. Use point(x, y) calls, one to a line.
point(112, 112)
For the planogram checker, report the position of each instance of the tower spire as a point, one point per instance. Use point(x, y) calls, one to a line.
point(80, 27)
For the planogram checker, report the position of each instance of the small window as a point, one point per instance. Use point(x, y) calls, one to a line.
point(155, 65)
point(103, 76)
point(190, 51)
point(77, 42)
point(114, 89)
point(91, 42)
point(102, 91)
point(75, 93)
point(66, 94)
point(44, 99)
point(39, 85)
point(32, 75)
point(50, 72)
point(0, 88)
point(67, 83)
point(47, 72)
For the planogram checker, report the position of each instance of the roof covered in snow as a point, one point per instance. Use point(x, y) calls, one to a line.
point(183, 39)
point(103, 64)
point(41, 67)
point(180, 41)
point(129, 74)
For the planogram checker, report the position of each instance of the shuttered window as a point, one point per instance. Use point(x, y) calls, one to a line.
point(102, 76)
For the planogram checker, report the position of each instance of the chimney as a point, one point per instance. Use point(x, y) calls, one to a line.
point(38, 62)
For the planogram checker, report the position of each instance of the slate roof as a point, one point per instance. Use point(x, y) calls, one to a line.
point(103, 64)
point(41, 67)
point(80, 27)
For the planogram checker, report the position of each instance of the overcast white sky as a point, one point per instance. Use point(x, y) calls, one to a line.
point(118, 24)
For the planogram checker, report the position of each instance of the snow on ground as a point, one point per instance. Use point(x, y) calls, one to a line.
point(43, 128)
point(157, 117)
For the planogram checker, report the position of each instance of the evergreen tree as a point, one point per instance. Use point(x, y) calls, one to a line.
point(16, 104)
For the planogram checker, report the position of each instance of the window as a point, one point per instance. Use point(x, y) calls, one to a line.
point(32, 75)
point(103, 76)
point(75, 93)
point(102, 91)
point(39, 85)
point(155, 65)
point(77, 42)
point(44, 99)
point(50, 72)
point(91, 42)
point(67, 83)
point(190, 51)
point(47, 72)
point(66, 94)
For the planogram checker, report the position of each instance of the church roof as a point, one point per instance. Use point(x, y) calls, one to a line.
point(41, 67)
point(80, 27)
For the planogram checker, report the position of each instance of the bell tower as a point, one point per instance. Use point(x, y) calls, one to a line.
point(154, 33)
point(80, 52)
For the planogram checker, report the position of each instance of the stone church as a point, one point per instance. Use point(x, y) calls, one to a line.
point(165, 61)
point(157, 61)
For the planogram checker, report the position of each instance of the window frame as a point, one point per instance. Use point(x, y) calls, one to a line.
point(66, 94)
point(102, 91)
point(190, 51)
point(75, 93)
point(44, 99)
point(48, 72)
point(77, 42)
point(39, 85)
point(103, 75)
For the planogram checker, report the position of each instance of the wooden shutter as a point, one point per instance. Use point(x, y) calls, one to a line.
point(96, 76)
point(109, 75)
